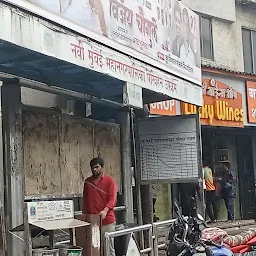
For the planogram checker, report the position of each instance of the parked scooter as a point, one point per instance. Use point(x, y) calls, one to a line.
point(184, 238)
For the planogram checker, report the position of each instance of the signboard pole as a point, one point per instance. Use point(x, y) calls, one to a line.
point(136, 151)
point(137, 180)
point(147, 204)
point(200, 169)
point(125, 130)
point(27, 234)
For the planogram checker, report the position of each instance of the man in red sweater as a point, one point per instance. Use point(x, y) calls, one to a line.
point(99, 197)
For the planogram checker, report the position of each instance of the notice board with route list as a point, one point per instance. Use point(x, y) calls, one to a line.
point(169, 149)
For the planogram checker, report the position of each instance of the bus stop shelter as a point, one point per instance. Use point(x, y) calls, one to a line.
point(41, 55)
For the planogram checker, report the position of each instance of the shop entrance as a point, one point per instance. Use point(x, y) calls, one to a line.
point(234, 146)
point(246, 176)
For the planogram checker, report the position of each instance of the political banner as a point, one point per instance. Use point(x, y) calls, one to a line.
point(164, 30)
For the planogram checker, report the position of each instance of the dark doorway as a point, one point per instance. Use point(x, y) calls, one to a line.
point(246, 176)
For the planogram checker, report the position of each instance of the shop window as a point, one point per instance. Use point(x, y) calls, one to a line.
point(249, 50)
point(206, 38)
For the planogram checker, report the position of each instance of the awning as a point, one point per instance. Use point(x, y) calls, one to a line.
point(51, 71)
point(36, 49)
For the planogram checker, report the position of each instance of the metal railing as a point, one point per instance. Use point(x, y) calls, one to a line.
point(156, 227)
point(148, 228)
point(154, 245)
point(120, 208)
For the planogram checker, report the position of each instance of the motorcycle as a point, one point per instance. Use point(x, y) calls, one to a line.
point(184, 237)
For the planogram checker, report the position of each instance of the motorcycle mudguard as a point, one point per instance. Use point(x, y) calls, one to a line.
point(199, 254)
point(174, 249)
point(223, 251)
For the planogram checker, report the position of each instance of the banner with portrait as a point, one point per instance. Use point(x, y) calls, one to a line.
point(164, 30)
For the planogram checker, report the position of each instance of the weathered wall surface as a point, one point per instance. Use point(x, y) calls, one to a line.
point(228, 20)
point(42, 99)
point(216, 8)
point(58, 149)
point(76, 151)
point(38, 98)
point(106, 144)
point(227, 39)
point(41, 151)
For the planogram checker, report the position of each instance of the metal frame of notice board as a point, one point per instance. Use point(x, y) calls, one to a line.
point(48, 216)
point(158, 137)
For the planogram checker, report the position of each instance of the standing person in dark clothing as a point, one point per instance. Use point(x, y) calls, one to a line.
point(188, 194)
point(154, 197)
point(210, 195)
point(228, 190)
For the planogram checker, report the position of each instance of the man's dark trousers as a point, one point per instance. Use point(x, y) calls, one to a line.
point(230, 205)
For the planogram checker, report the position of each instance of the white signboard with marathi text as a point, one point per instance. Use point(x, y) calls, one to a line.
point(251, 101)
point(59, 43)
point(132, 95)
point(169, 149)
point(165, 30)
point(50, 210)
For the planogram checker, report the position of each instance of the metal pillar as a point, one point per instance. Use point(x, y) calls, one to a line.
point(125, 130)
point(136, 172)
point(201, 208)
point(170, 200)
point(13, 162)
point(254, 161)
point(147, 203)
point(3, 242)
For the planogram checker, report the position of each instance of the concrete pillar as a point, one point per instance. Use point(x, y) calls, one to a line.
point(125, 129)
point(13, 162)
